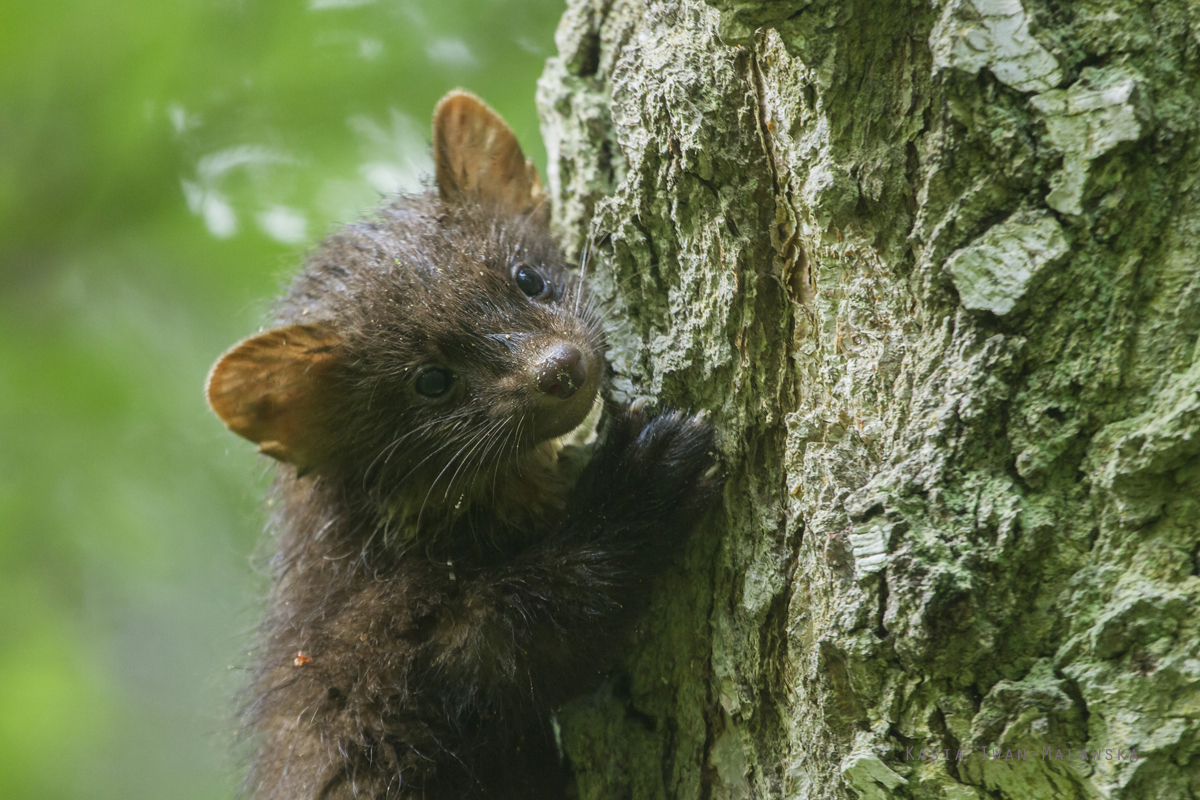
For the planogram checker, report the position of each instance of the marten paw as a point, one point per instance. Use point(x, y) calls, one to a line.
point(668, 461)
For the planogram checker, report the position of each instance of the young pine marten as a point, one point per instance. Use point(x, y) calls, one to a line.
point(446, 574)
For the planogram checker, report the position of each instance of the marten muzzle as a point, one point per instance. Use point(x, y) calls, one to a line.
point(562, 378)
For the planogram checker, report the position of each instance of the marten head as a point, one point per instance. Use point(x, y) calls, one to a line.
point(431, 348)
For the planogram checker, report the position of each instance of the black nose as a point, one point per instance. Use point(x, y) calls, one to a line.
point(562, 373)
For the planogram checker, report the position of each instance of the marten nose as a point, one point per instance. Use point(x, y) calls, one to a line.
point(562, 372)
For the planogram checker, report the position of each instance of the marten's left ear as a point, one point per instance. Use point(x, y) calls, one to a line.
point(275, 390)
point(477, 157)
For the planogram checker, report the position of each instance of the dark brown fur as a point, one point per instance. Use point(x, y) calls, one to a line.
point(445, 575)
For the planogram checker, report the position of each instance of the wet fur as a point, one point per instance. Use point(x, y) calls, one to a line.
point(448, 579)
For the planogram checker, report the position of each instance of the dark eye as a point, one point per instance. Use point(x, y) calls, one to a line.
point(530, 282)
point(434, 382)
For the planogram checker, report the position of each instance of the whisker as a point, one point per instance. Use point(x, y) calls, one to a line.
point(469, 442)
point(481, 438)
point(446, 445)
point(386, 452)
point(496, 468)
point(587, 246)
point(492, 457)
point(517, 443)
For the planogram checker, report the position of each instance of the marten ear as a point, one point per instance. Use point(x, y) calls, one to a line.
point(477, 157)
point(274, 389)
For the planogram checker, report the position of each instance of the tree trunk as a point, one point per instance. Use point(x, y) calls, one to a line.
point(933, 268)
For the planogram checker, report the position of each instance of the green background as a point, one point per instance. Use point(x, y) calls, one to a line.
point(162, 167)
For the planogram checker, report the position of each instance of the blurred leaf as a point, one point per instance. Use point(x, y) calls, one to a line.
point(165, 165)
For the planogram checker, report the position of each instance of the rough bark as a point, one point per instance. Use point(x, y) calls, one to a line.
point(933, 267)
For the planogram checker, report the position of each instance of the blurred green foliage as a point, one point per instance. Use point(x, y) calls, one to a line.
point(162, 166)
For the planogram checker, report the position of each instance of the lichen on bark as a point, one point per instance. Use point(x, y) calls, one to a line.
point(933, 268)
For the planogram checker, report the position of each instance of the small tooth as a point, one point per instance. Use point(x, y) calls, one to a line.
point(712, 471)
point(638, 404)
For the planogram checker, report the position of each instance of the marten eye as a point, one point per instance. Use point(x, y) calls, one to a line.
point(434, 382)
point(530, 282)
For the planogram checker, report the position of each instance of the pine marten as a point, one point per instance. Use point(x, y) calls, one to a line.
point(446, 574)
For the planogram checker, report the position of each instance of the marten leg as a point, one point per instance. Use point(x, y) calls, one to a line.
point(536, 629)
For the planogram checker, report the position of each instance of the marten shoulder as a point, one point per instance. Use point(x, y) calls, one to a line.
point(445, 575)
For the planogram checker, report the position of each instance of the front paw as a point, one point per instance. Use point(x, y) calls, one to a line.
point(667, 462)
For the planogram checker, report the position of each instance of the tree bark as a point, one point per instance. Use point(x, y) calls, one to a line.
point(933, 267)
